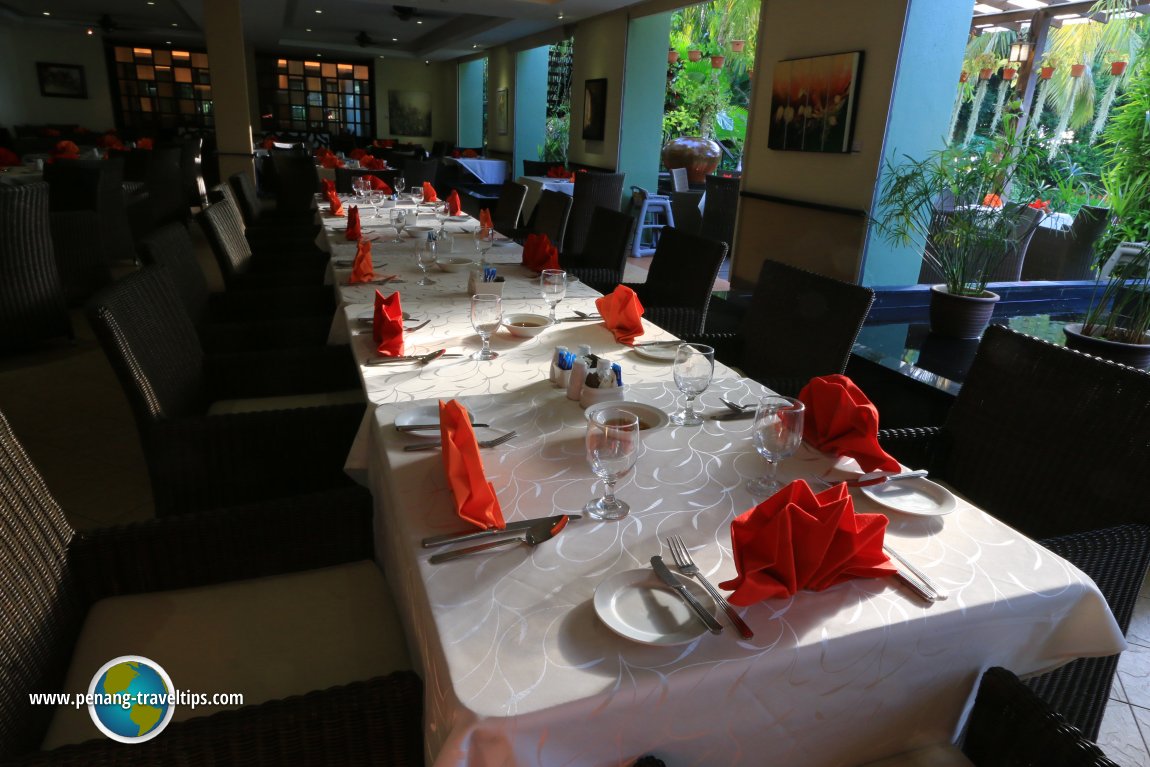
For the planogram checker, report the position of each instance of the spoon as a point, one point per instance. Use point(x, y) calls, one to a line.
point(536, 535)
point(736, 408)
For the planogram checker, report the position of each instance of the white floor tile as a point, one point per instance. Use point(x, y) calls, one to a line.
point(1139, 632)
point(1134, 672)
point(1121, 738)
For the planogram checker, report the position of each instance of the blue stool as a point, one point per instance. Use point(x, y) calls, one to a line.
point(652, 213)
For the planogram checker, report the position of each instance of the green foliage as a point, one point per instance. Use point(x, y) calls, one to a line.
point(557, 136)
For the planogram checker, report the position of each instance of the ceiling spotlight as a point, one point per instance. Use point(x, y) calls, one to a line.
point(560, 16)
point(319, 55)
point(395, 39)
point(475, 45)
point(47, 13)
point(90, 31)
point(317, 10)
point(167, 42)
point(419, 21)
point(174, 24)
point(308, 29)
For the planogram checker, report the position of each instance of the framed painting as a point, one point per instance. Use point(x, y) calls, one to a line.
point(501, 110)
point(594, 109)
point(409, 112)
point(814, 102)
point(64, 81)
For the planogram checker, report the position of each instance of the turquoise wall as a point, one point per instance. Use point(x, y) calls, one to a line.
point(644, 86)
point(530, 121)
point(470, 133)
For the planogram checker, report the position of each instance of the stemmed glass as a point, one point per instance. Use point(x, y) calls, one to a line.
point(553, 283)
point(417, 195)
point(398, 186)
point(778, 432)
point(486, 316)
point(693, 367)
point(441, 215)
point(612, 449)
point(360, 186)
point(399, 221)
point(484, 239)
point(425, 254)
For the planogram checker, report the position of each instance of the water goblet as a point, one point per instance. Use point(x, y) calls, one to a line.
point(612, 449)
point(399, 221)
point(417, 195)
point(425, 254)
point(399, 185)
point(441, 215)
point(484, 239)
point(693, 367)
point(486, 316)
point(778, 432)
point(553, 284)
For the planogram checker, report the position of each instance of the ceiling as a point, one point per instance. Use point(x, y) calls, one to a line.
point(1014, 12)
point(434, 30)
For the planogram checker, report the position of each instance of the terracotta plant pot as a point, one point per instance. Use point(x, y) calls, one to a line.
point(963, 77)
point(672, 57)
point(1008, 73)
point(984, 74)
point(738, 45)
point(717, 62)
point(700, 156)
point(1076, 70)
point(960, 316)
point(1046, 73)
point(1117, 68)
point(695, 55)
point(1134, 355)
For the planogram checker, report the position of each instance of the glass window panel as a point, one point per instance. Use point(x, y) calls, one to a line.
point(282, 82)
point(145, 104)
point(315, 114)
point(142, 54)
point(187, 106)
point(164, 74)
point(312, 67)
point(203, 76)
point(313, 84)
point(297, 98)
point(166, 90)
point(207, 107)
point(284, 112)
point(331, 86)
point(123, 54)
point(295, 83)
point(295, 67)
point(126, 103)
point(204, 92)
point(328, 70)
point(361, 72)
point(315, 99)
point(162, 57)
point(365, 102)
point(298, 113)
point(333, 99)
point(183, 74)
point(165, 105)
point(185, 92)
point(281, 65)
point(167, 121)
point(182, 57)
point(128, 87)
point(200, 60)
point(145, 73)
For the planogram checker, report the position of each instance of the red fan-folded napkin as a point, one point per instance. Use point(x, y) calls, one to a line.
point(387, 324)
point(454, 207)
point(558, 171)
point(361, 268)
point(379, 184)
point(485, 219)
point(621, 311)
point(372, 163)
point(798, 540)
point(353, 228)
point(145, 143)
point(841, 420)
point(8, 157)
point(539, 253)
point(357, 154)
point(336, 205)
point(66, 150)
point(475, 499)
point(429, 194)
point(328, 186)
point(470, 153)
point(331, 161)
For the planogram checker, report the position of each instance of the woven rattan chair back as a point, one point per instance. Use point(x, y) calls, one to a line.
point(166, 201)
point(152, 345)
point(415, 172)
point(171, 248)
point(247, 198)
point(296, 183)
point(606, 243)
point(822, 317)
point(720, 209)
point(539, 167)
point(592, 190)
point(683, 270)
point(223, 227)
point(42, 614)
point(550, 216)
point(192, 172)
point(505, 217)
point(32, 305)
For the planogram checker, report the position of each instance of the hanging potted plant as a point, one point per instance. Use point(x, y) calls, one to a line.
point(985, 63)
point(717, 58)
point(695, 54)
point(672, 56)
point(1117, 324)
point(738, 45)
point(1076, 70)
point(1118, 62)
point(1008, 73)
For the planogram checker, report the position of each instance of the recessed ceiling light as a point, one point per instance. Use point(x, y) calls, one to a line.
point(419, 21)
point(475, 45)
point(395, 39)
point(317, 10)
point(308, 29)
point(427, 61)
point(90, 31)
point(167, 42)
point(151, 2)
point(319, 55)
point(174, 24)
point(560, 16)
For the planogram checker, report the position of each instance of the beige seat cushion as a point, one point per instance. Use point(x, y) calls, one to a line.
point(940, 755)
point(267, 638)
point(287, 402)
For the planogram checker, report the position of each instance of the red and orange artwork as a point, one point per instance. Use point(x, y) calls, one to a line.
point(813, 103)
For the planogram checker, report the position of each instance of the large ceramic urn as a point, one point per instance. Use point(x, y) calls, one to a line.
point(700, 156)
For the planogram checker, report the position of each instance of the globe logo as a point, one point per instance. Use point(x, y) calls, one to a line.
point(131, 699)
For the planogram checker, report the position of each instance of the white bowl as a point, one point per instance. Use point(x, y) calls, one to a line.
point(526, 325)
point(650, 417)
point(454, 264)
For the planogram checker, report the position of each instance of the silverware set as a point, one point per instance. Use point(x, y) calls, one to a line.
point(419, 359)
point(686, 565)
point(436, 445)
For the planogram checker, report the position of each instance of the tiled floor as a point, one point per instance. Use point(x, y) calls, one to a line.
point(1125, 735)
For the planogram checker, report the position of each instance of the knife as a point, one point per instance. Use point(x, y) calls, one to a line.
point(669, 578)
point(580, 319)
point(511, 527)
point(431, 426)
point(657, 343)
point(743, 416)
point(538, 533)
point(871, 481)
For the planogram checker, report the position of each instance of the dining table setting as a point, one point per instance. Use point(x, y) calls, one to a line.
point(604, 543)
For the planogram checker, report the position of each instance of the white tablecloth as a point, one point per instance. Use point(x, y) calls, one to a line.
point(487, 171)
point(535, 186)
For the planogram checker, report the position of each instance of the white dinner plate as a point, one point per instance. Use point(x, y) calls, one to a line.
point(637, 605)
point(370, 316)
point(459, 219)
point(424, 415)
point(650, 417)
point(919, 496)
point(657, 353)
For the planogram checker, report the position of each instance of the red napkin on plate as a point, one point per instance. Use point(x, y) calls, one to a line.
point(387, 325)
point(475, 499)
point(841, 420)
point(8, 157)
point(621, 311)
point(357, 154)
point(328, 186)
point(539, 253)
point(336, 205)
point(331, 161)
point(485, 219)
point(145, 143)
point(361, 269)
point(469, 153)
point(353, 229)
point(454, 208)
point(429, 194)
point(798, 540)
point(378, 183)
point(66, 150)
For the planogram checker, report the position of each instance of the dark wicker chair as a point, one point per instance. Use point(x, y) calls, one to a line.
point(539, 167)
point(54, 574)
point(166, 202)
point(192, 172)
point(509, 206)
point(549, 217)
point(88, 221)
point(685, 209)
point(822, 317)
point(592, 190)
point(268, 233)
point(344, 176)
point(255, 319)
point(604, 255)
point(32, 305)
point(679, 283)
point(200, 460)
point(417, 171)
point(1055, 255)
point(1054, 443)
point(720, 209)
point(296, 183)
point(1009, 267)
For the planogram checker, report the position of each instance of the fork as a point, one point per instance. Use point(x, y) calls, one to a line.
point(437, 444)
point(687, 566)
point(417, 327)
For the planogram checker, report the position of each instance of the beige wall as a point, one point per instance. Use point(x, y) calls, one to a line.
point(500, 74)
point(438, 79)
point(600, 51)
point(20, 99)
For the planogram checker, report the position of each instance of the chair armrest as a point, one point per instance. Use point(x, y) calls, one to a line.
point(913, 447)
point(280, 372)
point(286, 535)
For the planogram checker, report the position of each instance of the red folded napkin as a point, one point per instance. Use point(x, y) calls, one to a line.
point(454, 208)
point(475, 499)
point(379, 184)
point(798, 540)
point(8, 157)
point(357, 154)
point(66, 150)
point(841, 420)
point(558, 171)
point(269, 142)
point(353, 228)
point(145, 143)
point(429, 194)
point(372, 163)
point(328, 186)
point(469, 153)
point(361, 268)
point(387, 325)
point(539, 253)
point(485, 219)
point(331, 161)
point(336, 205)
point(621, 311)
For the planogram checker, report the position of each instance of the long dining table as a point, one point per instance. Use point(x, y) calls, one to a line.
point(531, 656)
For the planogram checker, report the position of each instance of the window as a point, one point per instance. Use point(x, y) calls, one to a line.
point(302, 95)
point(161, 88)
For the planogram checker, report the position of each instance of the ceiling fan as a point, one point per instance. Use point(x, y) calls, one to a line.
point(363, 39)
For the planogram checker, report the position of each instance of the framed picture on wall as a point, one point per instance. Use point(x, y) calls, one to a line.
point(501, 108)
point(409, 112)
point(594, 109)
point(64, 81)
point(813, 103)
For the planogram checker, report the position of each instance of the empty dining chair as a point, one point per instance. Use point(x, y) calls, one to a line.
point(296, 182)
point(1069, 255)
point(238, 599)
point(88, 222)
point(720, 209)
point(680, 281)
point(226, 428)
point(416, 171)
point(591, 190)
point(269, 234)
point(509, 206)
point(604, 255)
point(549, 217)
point(32, 305)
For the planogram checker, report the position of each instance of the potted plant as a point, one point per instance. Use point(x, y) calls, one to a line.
point(672, 56)
point(701, 94)
point(738, 45)
point(717, 55)
point(694, 54)
point(1117, 324)
point(985, 63)
point(945, 204)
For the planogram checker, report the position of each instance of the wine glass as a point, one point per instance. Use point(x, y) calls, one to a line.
point(398, 186)
point(399, 221)
point(553, 283)
point(484, 239)
point(486, 316)
point(612, 449)
point(778, 431)
point(693, 367)
point(441, 215)
point(425, 253)
point(417, 195)
point(359, 186)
